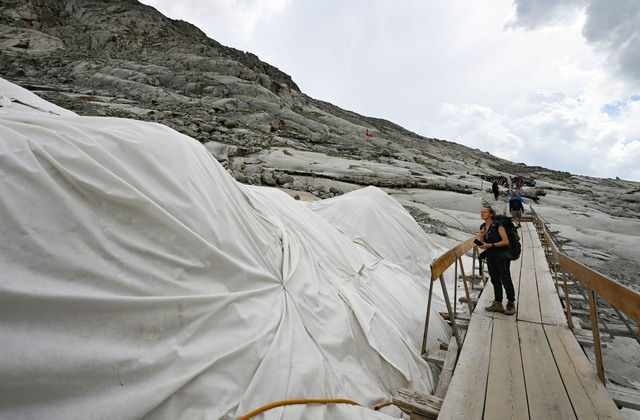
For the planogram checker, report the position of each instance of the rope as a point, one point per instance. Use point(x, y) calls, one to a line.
point(307, 401)
point(299, 401)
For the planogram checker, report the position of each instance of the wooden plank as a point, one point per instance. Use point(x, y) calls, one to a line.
point(574, 297)
point(435, 356)
point(545, 390)
point(424, 405)
point(551, 311)
point(587, 393)
point(466, 393)
point(527, 247)
point(483, 300)
point(528, 302)
point(506, 394)
point(447, 369)
point(516, 273)
point(624, 397)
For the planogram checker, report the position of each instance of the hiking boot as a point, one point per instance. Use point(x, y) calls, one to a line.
point(510, 309)
point(495, 307)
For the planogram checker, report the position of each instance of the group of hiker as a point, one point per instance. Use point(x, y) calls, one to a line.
point(497, 239)
point(511, 183)
point(515, 200)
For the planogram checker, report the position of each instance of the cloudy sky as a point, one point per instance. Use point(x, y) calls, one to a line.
point(554, 83)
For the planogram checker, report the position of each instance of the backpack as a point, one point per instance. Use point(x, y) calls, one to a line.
point(514, 249)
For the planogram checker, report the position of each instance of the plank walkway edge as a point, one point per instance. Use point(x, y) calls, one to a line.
point(526, 366)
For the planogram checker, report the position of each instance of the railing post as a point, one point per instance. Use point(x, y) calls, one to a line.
point(452, 316)
point(455, 287)
point(466, 287)
point(474, 253)
point(567, 301)
point(595, 330)
point(426, 322)
point(555, 267)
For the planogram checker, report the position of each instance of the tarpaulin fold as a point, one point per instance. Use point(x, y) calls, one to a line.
point(140, 280)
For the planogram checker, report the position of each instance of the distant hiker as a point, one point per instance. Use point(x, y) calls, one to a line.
point(516, 208)
point(494, 187)
point(494, 238)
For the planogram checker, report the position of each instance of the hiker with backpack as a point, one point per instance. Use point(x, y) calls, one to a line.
point(516, 208)
point(494, 238)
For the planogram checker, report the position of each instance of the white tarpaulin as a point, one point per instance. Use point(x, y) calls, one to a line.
point(140, 280)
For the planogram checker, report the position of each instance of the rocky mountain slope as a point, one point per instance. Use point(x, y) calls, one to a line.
point(121, 58)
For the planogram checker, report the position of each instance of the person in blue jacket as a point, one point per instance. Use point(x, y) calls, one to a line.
point(516, 208)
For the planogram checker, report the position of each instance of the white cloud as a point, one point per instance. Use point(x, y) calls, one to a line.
point(226, 21)
point(609, 27)
point(480, 128)
point(536, 14)
point(550, 129)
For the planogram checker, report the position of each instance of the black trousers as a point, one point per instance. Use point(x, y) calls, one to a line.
point(500, 274)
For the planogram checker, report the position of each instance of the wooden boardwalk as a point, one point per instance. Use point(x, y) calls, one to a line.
point(529, 365)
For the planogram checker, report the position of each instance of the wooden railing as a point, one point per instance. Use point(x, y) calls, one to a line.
point(620, 297)
point(617, 295)
point(438, 267)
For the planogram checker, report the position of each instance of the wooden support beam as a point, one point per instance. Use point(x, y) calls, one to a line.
point(624, 396)
point(435, 356)
point(452, 315)
point(424, 405)
point(596, 332)
point(466, 287)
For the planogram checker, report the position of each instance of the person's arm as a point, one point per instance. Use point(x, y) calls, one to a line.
point(504, 240)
